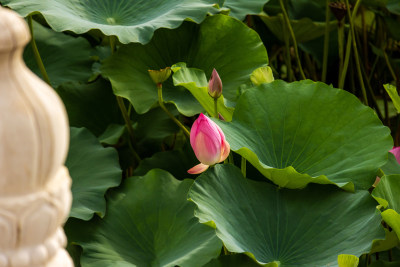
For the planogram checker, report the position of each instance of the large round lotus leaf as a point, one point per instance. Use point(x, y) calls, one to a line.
point(149, 222)
point(220, 42)
point(129, 20)
point(387, 192)
point(302, 132)
point(65, 58)
point(93, 170)
point(308, 227)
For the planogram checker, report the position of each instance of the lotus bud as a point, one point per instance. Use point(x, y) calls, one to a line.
point(160, 76)
point(215, 85)
point(208, 143)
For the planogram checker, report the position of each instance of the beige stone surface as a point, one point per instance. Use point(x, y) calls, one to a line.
point(35, 196)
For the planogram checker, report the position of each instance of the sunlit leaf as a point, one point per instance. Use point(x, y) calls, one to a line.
point(302, 132)
point(149, 222)
point(220, 42)
point(129, 20)
point(308, 227)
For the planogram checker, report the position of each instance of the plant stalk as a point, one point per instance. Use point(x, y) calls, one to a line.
point(216, 107)
point(290, 74)
point(125, 113)
point(358, 67)
point(37, 54)
point(326, 43)
point(161, 103)
point(296, 51)
point(340, 47)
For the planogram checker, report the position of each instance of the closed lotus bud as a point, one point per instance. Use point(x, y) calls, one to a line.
point(160, 76)
point(208, 143)
point(215, 85)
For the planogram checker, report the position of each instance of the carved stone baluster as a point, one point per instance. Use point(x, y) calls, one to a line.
point(35, 196)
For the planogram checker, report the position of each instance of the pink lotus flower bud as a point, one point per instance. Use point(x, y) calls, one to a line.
point(396, 152)
point(208, 143)
point(215, 85)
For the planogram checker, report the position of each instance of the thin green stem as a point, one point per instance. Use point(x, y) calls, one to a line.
point(37, 54)
point(358, 67)
point(296, 51)
point(128, 124)
point(341, 47)
point(161, 103)
point(243, 167)
point(371, 92)
point(371, 73)
point(326, 43)
point(389, 65)
point(288, 60)
point(346, 62)
point(216, 107)
point(310, 67)
point(125, 113)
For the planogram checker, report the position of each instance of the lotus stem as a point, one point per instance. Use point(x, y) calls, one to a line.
point(37, 54)
point(358, 67)
point(340, 47)
point(216, 107)
point(296, 51)
point(326, 43)
point(161, 103)
point(125, 113)
point(343, 72)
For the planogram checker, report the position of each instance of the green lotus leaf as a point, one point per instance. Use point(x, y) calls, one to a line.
point(234, 260)
point(196, 82)
point(112, 135)
point(308, 227)
point(389, 242)
point(154, 126)
point(387, 192)
point(304, 29)
point(392, 218)
point(391, 166)
point(129, 20)
point(176, 162)
point(392, 92)
point(240, 8)
point(302, 132)
point(149, 222)
point(93, 170)
point(393, 6)
point(65, 58)
point(345, 260)
point(92, 106)
point(220, 42)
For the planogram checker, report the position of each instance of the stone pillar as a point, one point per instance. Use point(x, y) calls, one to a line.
point(35, 196)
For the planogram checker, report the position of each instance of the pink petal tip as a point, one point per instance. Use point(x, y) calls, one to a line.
point(199, 168)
